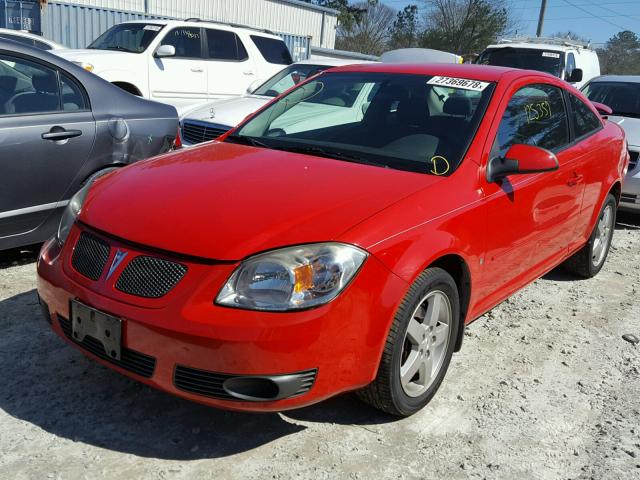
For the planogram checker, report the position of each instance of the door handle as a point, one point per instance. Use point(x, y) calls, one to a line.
point(59, 133)
point(577, 178)
point(197, 70)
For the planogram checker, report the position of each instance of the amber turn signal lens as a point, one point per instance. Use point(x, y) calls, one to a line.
point(303, 278)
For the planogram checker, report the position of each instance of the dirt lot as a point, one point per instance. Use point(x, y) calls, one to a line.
point(545, 387)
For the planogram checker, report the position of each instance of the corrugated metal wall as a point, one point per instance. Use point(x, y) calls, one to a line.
point(275, 15)
point(76, 26)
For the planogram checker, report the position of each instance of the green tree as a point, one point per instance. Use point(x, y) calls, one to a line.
point(621, 54)
point(347, 15)
point(571, 35)
point(404, 31)
point(464, 26)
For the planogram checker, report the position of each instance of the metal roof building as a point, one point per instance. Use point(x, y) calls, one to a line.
point(291, 16)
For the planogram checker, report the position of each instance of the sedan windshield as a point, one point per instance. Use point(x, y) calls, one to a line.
point(287, 78)
point(548, 61)
point(127, 37)
point(622, 97)
point(408, 122)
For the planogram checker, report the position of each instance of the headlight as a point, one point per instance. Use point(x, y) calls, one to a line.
point(75, 205)
point(87, 66)
point(292, 278)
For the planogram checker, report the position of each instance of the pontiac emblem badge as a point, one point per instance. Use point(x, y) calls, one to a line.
point(117, 260)
point(212, 112)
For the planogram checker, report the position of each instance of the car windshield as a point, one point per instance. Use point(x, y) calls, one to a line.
point(287, 78)
point(548, 61)
point(407, 122)
point(622, 97)
point(127, 37)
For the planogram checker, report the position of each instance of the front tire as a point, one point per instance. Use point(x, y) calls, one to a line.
point(419, 346)
point(588, 261)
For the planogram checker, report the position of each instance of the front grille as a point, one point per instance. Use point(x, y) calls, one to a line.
point(633, 160)
point(210, 384)
point(90, 256)
point(197, 132)
point(132, 361)
point(629, 198)
point(150, 277)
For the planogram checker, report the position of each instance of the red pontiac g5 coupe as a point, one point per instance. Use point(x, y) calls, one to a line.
point(339, 239)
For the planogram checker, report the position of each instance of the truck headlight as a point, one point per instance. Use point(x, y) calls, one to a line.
point(292, 278)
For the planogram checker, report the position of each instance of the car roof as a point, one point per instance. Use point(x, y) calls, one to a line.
point(617, 78)
point(205, 23)
point(484, 73)
point(33, 36)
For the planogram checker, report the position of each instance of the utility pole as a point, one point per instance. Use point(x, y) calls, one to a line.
point(543, 7)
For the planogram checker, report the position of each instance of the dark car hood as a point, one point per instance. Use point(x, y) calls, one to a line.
point(224, 201)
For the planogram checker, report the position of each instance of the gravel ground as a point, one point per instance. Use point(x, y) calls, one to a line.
point(544, 387)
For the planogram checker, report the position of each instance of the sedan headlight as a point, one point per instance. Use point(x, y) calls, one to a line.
point(75, 205)
point(292, 278)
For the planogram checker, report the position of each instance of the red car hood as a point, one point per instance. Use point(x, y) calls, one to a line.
point(224, 201)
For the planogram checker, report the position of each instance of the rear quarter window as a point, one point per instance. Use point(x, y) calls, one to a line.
point(272, 50)
point(585, 122)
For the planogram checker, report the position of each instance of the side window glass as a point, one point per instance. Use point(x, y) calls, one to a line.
point(186, 41)
point(536, 116)
point(223, 45)
point(27, 87)
point(72, 96)
point(585, 121)
point(272, 50)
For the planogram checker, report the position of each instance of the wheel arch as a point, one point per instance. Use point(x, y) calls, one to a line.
point(616, 191)
point(456, 266)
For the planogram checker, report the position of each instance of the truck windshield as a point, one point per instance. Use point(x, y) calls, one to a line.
point(127, 37)
point(622, 97)
point(416, 123)
point(549, 61)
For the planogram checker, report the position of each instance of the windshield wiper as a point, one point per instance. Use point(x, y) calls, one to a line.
point(118, 48)
point(322, 152)
point(244, 140)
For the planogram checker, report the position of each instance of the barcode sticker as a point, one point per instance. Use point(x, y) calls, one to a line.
point(463, 83)
point(551, 54)
point(153, 28)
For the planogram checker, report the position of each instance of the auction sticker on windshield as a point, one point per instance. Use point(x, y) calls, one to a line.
point(463, 83)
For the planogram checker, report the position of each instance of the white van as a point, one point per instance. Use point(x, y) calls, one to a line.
point(182, 62)
point(572, 61)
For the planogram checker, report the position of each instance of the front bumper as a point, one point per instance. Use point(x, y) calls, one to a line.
point(630, 198)
point(186, 345)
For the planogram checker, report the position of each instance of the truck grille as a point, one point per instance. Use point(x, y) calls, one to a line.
point(150, 277)
point(193, 132)
point(132, 361)
point(90, 256)
point(633, 160)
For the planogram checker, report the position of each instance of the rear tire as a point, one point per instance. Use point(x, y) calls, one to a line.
point(419, 346)
point(588, 261)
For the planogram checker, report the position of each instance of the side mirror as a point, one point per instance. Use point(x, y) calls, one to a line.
point(253, 86)
point(575, 76)
point(164, 51)
point(521, 159)
point(603, 110)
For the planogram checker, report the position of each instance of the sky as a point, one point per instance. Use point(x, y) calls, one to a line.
point(595, 20)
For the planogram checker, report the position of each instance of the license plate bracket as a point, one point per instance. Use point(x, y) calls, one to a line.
point(87, 321)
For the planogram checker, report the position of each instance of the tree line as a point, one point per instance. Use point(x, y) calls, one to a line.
point(464, 27)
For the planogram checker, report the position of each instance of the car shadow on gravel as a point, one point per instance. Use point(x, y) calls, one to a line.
point(19, 256)
point(51, 385)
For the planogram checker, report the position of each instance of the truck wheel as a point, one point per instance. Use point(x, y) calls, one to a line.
point(419, 346)
point(588, 261)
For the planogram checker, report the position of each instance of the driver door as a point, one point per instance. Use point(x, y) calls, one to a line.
point(531, 218)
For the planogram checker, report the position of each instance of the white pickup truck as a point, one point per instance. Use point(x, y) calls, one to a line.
point(182, 62)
